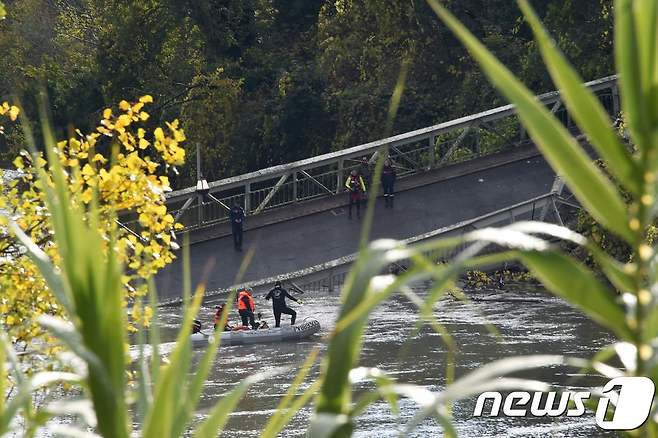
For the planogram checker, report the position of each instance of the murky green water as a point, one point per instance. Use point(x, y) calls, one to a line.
point(529, 322)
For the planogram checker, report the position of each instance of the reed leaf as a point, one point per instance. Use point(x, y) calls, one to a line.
point(584, 107)
point(561, 150)
point(572, 281)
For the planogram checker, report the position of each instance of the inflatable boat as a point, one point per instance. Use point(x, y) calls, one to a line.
point(243, 337)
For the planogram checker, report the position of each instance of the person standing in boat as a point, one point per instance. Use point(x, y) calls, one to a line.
point(278, 296)
point(246, 307)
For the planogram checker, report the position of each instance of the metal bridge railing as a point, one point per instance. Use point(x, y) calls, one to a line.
point(413, 152)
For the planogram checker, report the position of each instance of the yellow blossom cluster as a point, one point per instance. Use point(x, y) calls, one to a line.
point(10, 111)
point(121, 167)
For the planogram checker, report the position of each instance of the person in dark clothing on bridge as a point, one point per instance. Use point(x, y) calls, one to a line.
point(278, 296)
point(356, 188)
point(236, 216)
point(388, 181)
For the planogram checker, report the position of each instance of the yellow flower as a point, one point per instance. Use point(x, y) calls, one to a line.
point(13, 113)
point(98, 158)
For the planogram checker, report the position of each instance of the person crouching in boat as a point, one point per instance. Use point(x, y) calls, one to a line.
point(246, 307)
point(218, 318)
point(278, 296)
point(196, 326)
point(262, 324)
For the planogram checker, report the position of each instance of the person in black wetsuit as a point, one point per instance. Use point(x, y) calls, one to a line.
point(278, 296)
point(236, 215)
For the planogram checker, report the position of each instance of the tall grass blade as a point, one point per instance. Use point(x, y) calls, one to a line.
point(220, 412)
point(646, 14)
point(584, 107)
point(154, 332)
point(41, 260)
point(280, 417)
point(292, 410)
point(612, 268)
point(334, 399)
point(630, 76)
point(588, 183)
point(202, 370)
point(169, 388)
point(570, 280)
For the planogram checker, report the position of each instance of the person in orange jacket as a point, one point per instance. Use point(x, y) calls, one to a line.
point(246, 307)
point(356, 188)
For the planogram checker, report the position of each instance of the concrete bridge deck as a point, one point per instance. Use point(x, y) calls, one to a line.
point(307, 235)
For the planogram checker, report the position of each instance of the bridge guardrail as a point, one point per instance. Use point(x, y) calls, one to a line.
point(413, 152)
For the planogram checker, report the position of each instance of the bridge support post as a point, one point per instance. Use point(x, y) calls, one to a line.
point(247, 198)
point(294, 186)
point(616, 107)
point(330, 281)
point(200, 210)
point(339, 176)
point(430, 152)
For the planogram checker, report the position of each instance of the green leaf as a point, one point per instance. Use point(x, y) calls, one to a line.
point(202, 370)
point(570, 280)
point(628, 61)
point(327, 425)
point(284, 417)
point(646, 31)
point(561, 150)
point(343, 352)
point(281, 415)
point(382, 381)
point(46, 268)
point(3, 11)
point(167, 408)
point(218, 417)
point(612, 268)
point(584, 107)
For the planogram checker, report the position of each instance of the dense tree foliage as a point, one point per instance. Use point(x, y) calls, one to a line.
point(260, 82)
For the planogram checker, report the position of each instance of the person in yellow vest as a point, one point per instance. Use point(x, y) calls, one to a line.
point(246, 307)
point(356, 188)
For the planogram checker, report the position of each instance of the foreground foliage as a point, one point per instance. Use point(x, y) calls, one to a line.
point(119, 167)
point(630, 311)
point(89, 284)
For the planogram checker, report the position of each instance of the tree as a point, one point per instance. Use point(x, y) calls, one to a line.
point(119, 168)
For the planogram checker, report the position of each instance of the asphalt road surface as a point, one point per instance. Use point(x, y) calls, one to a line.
point(317, 238)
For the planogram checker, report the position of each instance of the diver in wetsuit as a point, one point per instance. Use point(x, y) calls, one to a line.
point(278, 296)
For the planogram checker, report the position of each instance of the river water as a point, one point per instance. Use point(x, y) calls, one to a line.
point(529, 321)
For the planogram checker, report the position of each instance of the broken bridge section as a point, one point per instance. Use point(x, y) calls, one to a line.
point(449, 173)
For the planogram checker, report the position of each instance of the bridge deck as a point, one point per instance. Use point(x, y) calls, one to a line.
point(313, 239)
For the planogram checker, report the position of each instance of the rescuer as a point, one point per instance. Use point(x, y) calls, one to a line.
point(278, 296)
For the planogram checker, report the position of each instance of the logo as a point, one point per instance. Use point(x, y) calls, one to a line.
point(629, 397)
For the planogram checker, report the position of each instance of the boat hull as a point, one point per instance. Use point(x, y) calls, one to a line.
point(246, 337)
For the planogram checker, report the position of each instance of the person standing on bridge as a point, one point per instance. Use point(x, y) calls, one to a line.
point(356, 188)
point(236, 216)
point(246, 307)
point(388, 181)
point(278, 296)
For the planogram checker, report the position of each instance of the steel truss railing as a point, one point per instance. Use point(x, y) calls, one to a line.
point(413, 152)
